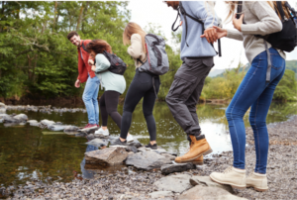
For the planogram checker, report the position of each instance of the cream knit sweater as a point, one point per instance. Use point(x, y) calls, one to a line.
point(260, 19)
point(135, 50)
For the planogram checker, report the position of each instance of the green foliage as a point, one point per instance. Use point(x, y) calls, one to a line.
point(225, 85)
point(287, 87)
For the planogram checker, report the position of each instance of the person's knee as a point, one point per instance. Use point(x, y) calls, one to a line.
point(230, 114)
point(256, 122)
point(86, 98)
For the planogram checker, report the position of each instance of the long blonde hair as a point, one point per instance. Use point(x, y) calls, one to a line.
point(131, 29)
point(273, 5)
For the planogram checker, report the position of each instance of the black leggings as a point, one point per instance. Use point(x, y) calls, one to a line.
point(108, 104)
point(143, 85)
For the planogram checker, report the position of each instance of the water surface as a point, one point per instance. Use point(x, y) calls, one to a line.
point(30, 152)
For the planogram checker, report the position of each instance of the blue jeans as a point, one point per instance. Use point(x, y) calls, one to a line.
point(90, 99)
point(254, 91)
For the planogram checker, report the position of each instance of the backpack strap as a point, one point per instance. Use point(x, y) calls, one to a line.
point(172, 27)
point(83, 46)
point(185, 14)
point(280, 10)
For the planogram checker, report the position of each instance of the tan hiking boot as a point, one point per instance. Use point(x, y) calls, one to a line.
point(198, 161)
point(198, 148)
point(231, 176)
point(257, 181)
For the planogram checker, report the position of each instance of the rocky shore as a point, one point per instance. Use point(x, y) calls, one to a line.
point(151, 174)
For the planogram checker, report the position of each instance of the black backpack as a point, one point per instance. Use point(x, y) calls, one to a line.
point(286, 39)
point(117, 65)
point(185, 14)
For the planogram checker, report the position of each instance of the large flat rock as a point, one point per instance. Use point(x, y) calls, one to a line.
point(161, 194)
point(175, 183)
point(147, 160)
point(206, 181)
point(200, 192)
point(106, 157)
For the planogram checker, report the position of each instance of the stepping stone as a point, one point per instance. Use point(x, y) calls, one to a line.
point(206, 181)
point(176, 167)
point(175, 183)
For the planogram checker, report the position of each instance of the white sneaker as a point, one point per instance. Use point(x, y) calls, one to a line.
point(231, 176)
point(102, 132)
point(130, 138)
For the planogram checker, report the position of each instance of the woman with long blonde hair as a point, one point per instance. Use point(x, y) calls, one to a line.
point(254, 91)
point(144, 85)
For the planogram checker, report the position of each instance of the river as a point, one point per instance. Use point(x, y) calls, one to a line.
point(28, 152)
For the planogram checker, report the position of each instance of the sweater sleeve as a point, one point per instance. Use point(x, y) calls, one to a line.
point(268, 23)
point(135, 49)
point(234, 34)
point(204, 11)
point(102, 64)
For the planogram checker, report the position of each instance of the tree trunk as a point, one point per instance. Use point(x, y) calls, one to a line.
point(80, 16)
point(83, 16)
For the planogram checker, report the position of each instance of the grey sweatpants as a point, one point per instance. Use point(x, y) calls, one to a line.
point(185, 91)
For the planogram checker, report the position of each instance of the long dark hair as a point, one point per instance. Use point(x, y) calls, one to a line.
point(98, 46)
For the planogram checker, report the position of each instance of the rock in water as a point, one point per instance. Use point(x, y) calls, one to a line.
point(33, 123)
point(97, 142)
point(10, 120)
point(147, 160)
point(2, 108)
point(213, 193)
point(47, 123)
point(175, 183)
point(106, 157)
point(21, 118)
point(56, 127)
point(206, 181)
point(71, 129)
point(176, 167)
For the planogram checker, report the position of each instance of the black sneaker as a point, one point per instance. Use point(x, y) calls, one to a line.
point(118, 142)
point(154, 146)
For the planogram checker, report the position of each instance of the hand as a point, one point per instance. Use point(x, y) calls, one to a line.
point(93, 68)
point(210, 34)
point(220, 32)
point(77, 83)
point(90, 62)
point(237, 22)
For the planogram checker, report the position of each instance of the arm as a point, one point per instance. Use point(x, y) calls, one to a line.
point(102, 64)
point(234, 34)
point(203, 11)
point(135, 49)
point(269, 21)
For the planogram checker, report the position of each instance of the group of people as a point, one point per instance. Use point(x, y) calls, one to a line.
point(197, 53)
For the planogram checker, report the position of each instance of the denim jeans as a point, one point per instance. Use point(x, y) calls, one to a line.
point(254, 91)
point(89, 97)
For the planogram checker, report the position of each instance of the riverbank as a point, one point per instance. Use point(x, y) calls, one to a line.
point(128, 183)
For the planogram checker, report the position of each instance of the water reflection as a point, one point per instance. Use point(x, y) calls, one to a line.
point(25, 152)
point(87, 174)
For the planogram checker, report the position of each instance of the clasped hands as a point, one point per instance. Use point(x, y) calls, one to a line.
point(91, 63)
point(214, 33)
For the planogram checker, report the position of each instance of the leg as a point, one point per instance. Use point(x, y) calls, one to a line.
point(135, 92)
point(95, 98)
point(89, 92)
point(257, 120)
point(112, 101)
point(246, 95)
point(187, 79)
point(149, 100)
point(104, 114)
